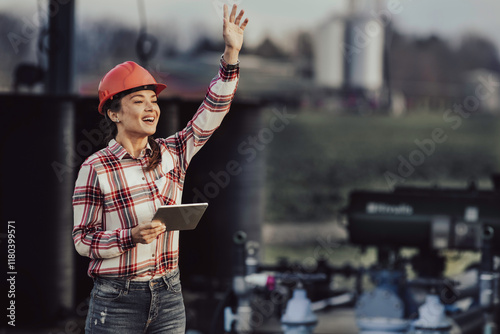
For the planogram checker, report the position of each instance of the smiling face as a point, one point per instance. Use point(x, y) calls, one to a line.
point(138, 115)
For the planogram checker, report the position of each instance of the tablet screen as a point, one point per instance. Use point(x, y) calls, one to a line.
point(180, 216)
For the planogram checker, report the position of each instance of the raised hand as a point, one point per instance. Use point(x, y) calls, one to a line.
point(232, 32)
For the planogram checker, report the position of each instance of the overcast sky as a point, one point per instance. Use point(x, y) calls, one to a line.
point(282, 18)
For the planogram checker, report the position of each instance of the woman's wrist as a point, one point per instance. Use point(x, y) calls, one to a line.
point(231, 55)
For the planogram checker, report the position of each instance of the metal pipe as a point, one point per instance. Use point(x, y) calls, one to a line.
point(471, 321)
point(61, 52)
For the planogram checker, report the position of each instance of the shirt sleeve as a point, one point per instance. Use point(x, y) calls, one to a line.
point(209, 115)
point(88, 235)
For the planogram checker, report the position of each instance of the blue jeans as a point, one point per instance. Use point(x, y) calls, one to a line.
point(130, 307)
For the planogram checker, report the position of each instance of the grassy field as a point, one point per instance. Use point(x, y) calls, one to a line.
point(315, 162)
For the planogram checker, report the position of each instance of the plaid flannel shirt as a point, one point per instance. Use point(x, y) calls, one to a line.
point(113, 193)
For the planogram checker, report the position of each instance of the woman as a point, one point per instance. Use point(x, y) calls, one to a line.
point(133, 260)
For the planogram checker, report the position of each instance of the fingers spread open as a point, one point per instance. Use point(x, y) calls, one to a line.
point(238, 18)
point(233, 13)
point(244, 24)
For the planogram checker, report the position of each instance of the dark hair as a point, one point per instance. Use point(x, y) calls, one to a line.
point(115, 105)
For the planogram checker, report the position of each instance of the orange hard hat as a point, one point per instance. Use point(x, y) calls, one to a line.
point(124, 77)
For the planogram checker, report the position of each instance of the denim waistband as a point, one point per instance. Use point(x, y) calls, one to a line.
point(127, 284)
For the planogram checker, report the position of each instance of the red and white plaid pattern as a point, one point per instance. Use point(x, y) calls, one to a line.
point(113, 192)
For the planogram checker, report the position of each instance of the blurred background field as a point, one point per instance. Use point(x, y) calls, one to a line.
point(363, 82)
point(319, 158)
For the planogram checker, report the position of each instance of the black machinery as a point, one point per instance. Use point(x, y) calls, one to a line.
point(425, 218)
point(430, 220)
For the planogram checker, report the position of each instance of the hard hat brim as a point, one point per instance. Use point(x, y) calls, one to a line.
point(159, 87)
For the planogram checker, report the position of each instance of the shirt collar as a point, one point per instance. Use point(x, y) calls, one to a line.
point(120, 152)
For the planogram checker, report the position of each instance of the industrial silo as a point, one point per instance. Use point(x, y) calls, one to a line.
point(350, 56)
point(364, 53)
point(329, 56)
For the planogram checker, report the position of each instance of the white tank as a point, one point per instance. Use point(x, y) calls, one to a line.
point(349, 51)
point(365, 53)
point(329, 58)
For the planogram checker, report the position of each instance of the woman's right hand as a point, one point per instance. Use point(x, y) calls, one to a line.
point(146, 232)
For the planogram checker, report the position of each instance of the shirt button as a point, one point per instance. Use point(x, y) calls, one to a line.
point(152, 255)
point(144, 178)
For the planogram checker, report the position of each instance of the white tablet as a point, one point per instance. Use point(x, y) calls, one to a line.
point(180, 217)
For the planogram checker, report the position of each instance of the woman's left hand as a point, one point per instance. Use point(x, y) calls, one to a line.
point(233, 30)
